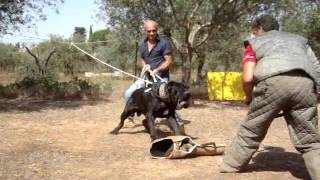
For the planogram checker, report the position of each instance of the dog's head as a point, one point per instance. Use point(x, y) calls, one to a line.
point(179, 94)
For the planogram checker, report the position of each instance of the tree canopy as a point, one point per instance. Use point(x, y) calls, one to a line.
point(207, 34)
point(14, 13)
point(198, 28)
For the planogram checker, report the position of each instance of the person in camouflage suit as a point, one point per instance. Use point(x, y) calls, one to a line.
point(285, 73)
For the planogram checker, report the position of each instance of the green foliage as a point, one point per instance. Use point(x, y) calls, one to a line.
point(100, 35)
point(68, 59)
point(65, 59)
point(119, 51)
point(23, 12)
point(314, 32)
point(80, 30)
point(79, 35)
point(200, 26)
point(10, 57)
point(37, 65)
point(188, 24)
point(305, 22)
point(46, 88)
point(224, 54)
point(207, 35)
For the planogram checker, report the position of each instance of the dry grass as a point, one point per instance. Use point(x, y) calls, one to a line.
point(7, 78)
point(71, 140)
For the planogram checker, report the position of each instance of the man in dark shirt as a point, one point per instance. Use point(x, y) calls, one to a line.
point(155, 51)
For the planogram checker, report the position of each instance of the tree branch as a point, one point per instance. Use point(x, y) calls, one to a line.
point(48, 58)
point(36, 59)
point(203, 40)
point(195, 9)
point(177, 45)
point(174, 13)
point(215, 14)
point(196, 28)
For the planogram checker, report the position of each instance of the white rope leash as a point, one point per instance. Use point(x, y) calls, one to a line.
point(72, 44)
point(147, 68)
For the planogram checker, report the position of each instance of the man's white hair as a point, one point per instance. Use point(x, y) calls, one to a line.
point(150, 22)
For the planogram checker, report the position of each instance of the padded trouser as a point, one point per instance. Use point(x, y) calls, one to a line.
point(292, 93)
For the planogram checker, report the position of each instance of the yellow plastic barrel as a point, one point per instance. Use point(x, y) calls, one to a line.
point(225, 86)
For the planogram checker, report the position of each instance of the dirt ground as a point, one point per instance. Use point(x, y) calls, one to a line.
point(71, 140)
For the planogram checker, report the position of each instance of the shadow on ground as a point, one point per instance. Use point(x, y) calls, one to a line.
point(200, 103)
point(277, 160)
point(7, 105)
point(161, 132)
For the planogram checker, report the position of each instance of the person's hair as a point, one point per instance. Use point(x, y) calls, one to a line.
point(267, 22)
point(149, 21)
point(246, 43)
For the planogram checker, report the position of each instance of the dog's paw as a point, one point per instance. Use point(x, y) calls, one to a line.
point(153, 138)
point(114, 132)
point(145, 124)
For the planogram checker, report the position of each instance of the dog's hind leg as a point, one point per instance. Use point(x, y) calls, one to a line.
point(123, 117)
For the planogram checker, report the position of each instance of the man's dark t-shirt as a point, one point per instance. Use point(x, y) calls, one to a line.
point(156, 56)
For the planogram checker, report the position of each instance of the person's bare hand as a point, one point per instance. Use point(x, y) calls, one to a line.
point(248, 100)
point(147, 67)
point(155, 71)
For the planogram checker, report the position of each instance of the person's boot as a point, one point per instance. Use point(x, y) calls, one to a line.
point(225, 168)
point(312, 162)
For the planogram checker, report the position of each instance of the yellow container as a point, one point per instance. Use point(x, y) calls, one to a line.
point(225, 86)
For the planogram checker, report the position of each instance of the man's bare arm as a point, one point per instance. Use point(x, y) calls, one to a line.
point(142, 63)
point(248, 80)
point(165, 65)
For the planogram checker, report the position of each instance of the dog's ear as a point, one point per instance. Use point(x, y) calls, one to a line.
point(169, 85)
point(171, 89)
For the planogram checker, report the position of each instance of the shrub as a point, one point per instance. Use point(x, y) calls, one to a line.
point(48, 88)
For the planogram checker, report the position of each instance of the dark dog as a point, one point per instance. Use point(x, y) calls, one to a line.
point(161, 101)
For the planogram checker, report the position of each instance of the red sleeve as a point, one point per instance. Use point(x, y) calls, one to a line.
point(249, 55)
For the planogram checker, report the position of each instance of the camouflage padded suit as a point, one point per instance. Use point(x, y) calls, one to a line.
point(286, 78)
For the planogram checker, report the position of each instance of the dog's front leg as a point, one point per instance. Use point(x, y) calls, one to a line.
point(150, 120)
point(174, 124)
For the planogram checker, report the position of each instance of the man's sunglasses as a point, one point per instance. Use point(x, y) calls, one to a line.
point(153, 30)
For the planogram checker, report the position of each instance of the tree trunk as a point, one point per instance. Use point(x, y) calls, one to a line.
point(201, 61)
point(184, 66)
point(187, 78)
